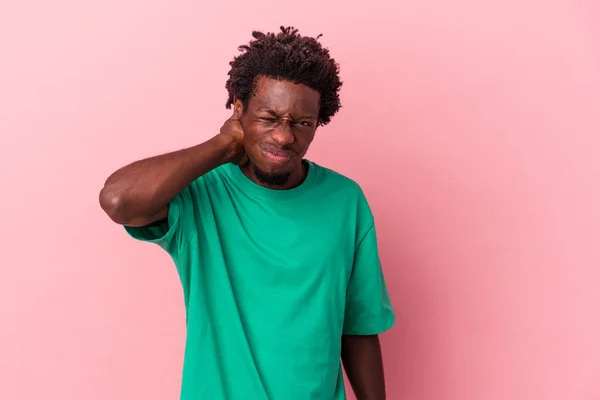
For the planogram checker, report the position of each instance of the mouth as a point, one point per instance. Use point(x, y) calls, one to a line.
point(276, 156)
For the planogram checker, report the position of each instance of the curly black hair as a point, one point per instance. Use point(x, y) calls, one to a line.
point(289, 56)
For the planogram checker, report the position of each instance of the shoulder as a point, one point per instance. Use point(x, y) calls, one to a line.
point(346, 195)
point(336, 182)
point(342, 189)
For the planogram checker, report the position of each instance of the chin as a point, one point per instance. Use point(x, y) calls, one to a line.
point(273, 169)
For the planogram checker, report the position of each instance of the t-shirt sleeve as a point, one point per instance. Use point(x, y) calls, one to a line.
point(368, 306)
point(175, 232)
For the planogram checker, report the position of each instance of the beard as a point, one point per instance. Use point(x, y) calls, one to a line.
point(270, 179)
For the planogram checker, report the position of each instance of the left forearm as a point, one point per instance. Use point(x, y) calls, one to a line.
point(361, 356)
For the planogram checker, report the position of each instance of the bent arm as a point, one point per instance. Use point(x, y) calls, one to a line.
point(139, 193)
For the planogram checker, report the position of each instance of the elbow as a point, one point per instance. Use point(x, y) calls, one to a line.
point(111, 202)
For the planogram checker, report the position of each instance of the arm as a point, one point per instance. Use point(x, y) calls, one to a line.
point(139, 193)
point(368, 313)
point(361, 356)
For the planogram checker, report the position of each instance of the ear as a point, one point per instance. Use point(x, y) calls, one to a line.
point(238, 108)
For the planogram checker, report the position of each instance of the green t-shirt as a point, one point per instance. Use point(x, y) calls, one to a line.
point(272, 279)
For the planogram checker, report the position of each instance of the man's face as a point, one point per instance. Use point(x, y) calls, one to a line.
point(279, 125)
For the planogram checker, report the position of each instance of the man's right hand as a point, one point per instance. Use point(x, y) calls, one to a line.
point(232, 129)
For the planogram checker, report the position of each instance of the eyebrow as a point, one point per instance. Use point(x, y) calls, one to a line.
point(273, 113)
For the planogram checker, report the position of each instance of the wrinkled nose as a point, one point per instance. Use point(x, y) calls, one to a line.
point(283, 134)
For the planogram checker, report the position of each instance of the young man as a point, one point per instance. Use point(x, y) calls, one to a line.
point(277, 255)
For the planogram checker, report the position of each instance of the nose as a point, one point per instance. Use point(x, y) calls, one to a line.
point(283, 134)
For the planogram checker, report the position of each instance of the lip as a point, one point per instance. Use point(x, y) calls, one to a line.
point(277, 157)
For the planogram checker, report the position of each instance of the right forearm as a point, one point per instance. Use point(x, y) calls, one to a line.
point(141, 190)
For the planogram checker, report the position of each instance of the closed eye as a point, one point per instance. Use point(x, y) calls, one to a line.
point(305, 123)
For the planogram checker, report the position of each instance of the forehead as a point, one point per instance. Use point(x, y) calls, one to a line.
point(285, 97)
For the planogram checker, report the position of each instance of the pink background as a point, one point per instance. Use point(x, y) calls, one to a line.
point(472, 125)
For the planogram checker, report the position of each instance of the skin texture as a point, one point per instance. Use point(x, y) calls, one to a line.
point(361, 357)
point(281, 121)
point(281, 118)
